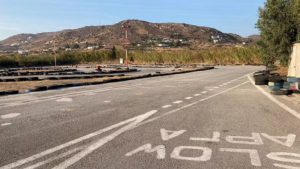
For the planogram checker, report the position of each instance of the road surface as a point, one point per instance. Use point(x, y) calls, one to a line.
point(214, 119)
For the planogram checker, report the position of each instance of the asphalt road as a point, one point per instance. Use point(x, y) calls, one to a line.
point(214, 119)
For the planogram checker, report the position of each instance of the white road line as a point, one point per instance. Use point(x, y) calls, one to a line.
point(78, 140)
point(49, 160)
point(65, 100)
point(5, 124)
point(192, 104)
point(196, 95)
point(188, 98)
point(204, 92)
point(178, 102)
point(10, 116)
point(273, 99)
point(210, 89)
point(68, 144)
point(216, 87)
point(107, 101)
point(166, 106)
point(74, 94)
point(104, 140)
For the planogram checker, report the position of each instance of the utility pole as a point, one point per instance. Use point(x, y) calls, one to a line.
point(54, 50)
point(126, 42)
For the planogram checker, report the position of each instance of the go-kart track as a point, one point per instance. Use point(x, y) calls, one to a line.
point(214, 119)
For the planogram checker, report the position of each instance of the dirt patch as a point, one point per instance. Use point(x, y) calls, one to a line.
point(283, 71)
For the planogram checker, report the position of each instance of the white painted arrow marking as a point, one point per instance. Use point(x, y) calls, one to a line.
point(289, 140)
point(168, 134)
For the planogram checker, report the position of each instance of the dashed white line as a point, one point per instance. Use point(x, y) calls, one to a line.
point(216, 87)
point(178, 102)
point(5, 124)
point(204, 92)
point(210, 89)
point(107, 101)
point(166, 106)
point(65, 100)
point(9, 116)
point(196, 95)
point(188, 98)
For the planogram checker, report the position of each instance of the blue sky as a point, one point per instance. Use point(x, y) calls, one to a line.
point(33, 16)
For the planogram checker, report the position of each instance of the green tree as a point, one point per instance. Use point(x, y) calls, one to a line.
point(296, 13)
point(278, 30)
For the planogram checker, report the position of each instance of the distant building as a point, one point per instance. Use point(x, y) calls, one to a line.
point(92, 47)
point(23, 52)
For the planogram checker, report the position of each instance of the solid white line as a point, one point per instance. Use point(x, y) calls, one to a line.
point(178, 102)
point(273, 99)
point(103, 141)
point(188, 98)
point(70, 143)
point(166, 106)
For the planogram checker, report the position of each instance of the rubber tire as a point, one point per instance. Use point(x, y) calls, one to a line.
point(281, 92)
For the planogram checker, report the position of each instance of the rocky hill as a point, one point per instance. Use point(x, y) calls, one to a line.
point(140, 34)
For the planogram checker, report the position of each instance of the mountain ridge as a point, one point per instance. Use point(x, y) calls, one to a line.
point(141, 33)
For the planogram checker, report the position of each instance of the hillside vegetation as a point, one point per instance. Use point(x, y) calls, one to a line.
point(224, 55)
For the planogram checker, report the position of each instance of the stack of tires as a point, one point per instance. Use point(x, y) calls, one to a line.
point(278, 85)
point(261, 77)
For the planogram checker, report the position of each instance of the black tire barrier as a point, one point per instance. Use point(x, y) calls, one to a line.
point(9, 92)
point(40, 88)
point(22, 79)
point(281, 92)
point(9, 80)
point(122, 78)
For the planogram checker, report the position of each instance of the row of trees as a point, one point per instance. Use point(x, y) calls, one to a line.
point(279, 23)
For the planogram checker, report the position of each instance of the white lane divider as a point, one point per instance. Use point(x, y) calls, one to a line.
point(178, 102)
point(216, 87)
point(93, 147)
point(204, 92)
point(273, 99)
point(5, 124)
point(210, 89)
point(10, 116)
point(65, 100)
point(131, 123)
point(166, 106)
point(188, 98)
point(107, 101)
point(196, 95)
